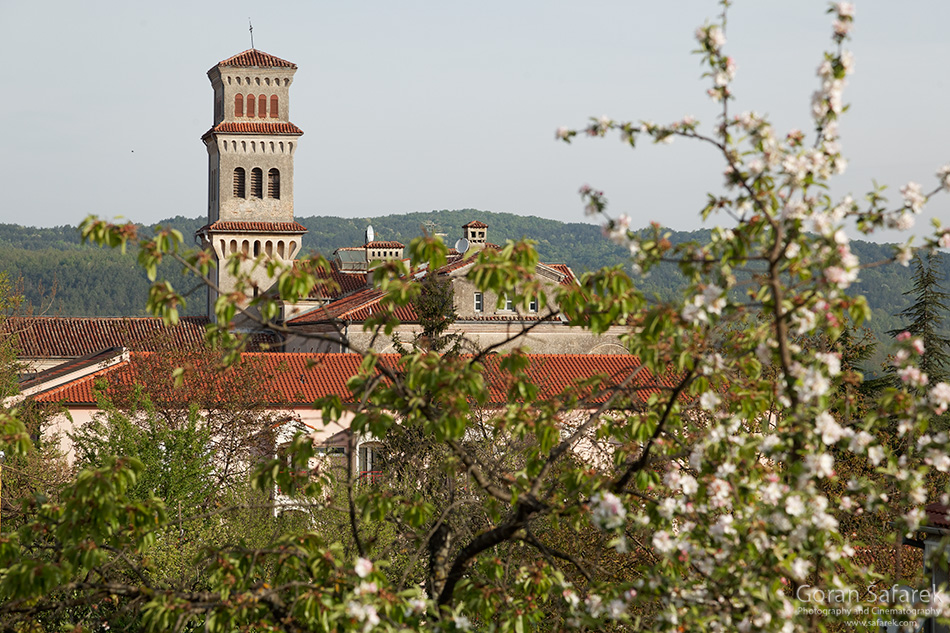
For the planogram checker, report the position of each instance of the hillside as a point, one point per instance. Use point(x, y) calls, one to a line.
point(63, 277)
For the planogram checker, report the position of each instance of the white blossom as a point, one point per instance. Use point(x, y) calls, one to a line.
point(800, 568)
point(943, 174)
point(709, 401)
point(607, 511)
point(365, 613)
point(821, 464)
point(940, 396)
point(829, 428)
point(904, 255)
point(845, 10)
point(363, 567)
point(875, 455)
point(913, 198)
point(832, 362)
point(663, 543)
point(794, 506)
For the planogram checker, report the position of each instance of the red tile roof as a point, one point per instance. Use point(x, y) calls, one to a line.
point(256, 127)
point(255, 227)
point(253, 57)
point(475, 224)
point(384, 245)
point(340, 308)
point(345, 283)
point(302, 378)
point(938, 515)
point(71, 337)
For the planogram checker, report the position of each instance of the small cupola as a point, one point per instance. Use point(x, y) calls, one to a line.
point(475, 232)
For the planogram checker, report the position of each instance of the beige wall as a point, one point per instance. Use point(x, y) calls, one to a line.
point(546, 338)
point(226, 152)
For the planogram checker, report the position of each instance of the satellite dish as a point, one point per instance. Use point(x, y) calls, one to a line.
point(370, 234)
point(462, 245)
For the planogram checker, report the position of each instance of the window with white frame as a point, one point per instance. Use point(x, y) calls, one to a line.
point(533, 305)
point(479, 302)
point(509, 304)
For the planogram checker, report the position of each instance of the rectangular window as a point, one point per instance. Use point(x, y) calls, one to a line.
point(509, 304)
point(479, 302)
point(533, 305)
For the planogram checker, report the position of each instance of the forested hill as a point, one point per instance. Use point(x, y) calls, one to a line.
point(89, 281)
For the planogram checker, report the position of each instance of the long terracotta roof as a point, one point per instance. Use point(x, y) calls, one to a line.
point(71, 337)
point(255, 227)
point(303, 378)
point(475, 224)
point(253, 57)
point(254, 127)
point(385, 245)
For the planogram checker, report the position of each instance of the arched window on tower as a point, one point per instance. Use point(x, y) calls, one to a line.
point(273, 184)
point(239, 175)
point(238, 105)
point(273, 107)
point(250, 105)
point(257, 183)
point(262, 106)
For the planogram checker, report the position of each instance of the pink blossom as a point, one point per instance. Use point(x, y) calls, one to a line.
point(944, 240)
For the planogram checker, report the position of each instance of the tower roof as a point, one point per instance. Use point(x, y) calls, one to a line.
point(253, 57)
point(255, 127)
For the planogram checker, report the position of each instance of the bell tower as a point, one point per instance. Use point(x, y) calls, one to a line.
point(251, 147)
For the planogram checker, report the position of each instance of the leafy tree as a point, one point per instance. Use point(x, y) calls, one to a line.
point(925, 317)
point(696, 489)
point(434, 307)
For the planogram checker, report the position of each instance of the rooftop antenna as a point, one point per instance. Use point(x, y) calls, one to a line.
point(250, 27)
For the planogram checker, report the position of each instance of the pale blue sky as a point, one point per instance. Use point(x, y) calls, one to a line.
point(419, 105)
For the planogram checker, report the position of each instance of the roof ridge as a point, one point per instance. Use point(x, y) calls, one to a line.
point(253, 57)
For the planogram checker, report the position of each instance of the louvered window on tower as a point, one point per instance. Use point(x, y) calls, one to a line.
point(257, 183)
point(238, 105)
point(262, 106)
point(239, 182)
point(250, 105)
point(273, 184)
point(273, 106)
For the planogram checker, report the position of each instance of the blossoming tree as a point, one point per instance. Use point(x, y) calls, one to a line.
point(720, 501)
